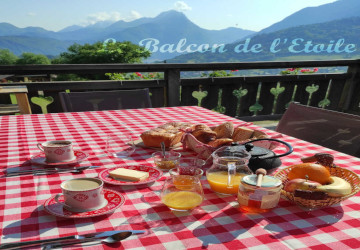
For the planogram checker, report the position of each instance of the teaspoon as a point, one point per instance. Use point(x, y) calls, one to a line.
point(109, 240)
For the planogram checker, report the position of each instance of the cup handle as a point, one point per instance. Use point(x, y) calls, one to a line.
point(39, 145)
point(231, 173)
point(56, 198)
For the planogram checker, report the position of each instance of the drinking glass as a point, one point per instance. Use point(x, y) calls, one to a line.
point(120, 145)
point(180, 195)
point(166, 161)
point(189, 166)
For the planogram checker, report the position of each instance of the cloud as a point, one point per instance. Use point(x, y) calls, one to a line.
point(31, 14)
point(182, 6)
point(133, 16)
point(102, 16)
point(111, 16)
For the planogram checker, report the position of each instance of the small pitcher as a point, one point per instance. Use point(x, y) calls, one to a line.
point(228, 168)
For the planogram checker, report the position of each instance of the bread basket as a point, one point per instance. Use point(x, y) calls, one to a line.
point(343, 173)
point(204, 151)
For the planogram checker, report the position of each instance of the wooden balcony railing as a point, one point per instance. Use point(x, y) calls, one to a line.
point(235, 96)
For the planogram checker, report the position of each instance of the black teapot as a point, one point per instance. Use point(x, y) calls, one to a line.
point(263, 157)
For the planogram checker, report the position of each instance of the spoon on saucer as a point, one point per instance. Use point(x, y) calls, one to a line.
point(109, 240)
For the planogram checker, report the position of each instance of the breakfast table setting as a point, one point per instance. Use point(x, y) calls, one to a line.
point(170, 178)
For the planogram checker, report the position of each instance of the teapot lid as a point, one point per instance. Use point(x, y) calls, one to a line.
point(234, 151)
point(256, 151)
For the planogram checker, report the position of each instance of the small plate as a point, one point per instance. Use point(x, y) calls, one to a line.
point(41, 160)
point(115, 200)
point(154, 174)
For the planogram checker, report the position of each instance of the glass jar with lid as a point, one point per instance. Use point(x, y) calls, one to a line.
point(258, 199)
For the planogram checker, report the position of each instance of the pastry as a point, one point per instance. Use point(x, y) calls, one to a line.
point(170, 133)
point(224, 130)
point(242, 134)
point(220, 142)
point(259, 135)
point(203, 133)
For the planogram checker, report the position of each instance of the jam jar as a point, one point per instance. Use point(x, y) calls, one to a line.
point(258, 199)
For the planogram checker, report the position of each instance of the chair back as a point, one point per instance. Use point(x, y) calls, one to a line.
point(22, 106)
point(331, 129)
point(105, 100)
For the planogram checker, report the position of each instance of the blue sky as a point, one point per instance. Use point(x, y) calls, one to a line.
point(209, 14)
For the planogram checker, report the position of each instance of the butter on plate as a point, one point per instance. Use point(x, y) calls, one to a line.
point(129, 174)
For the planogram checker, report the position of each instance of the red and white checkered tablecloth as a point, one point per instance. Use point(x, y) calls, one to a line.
point(216, 224)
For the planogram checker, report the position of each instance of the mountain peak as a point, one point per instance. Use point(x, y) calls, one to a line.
point(172, 14)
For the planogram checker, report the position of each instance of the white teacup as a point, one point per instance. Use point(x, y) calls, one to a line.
point(57, 151)
point(82, 194)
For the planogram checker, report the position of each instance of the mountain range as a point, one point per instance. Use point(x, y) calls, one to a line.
point(322, 24)
point(168, 28)
point(336, 39)
point(320, 14)
point(325, 25)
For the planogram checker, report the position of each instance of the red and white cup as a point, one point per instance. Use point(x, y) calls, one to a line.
point(82, 194)
point(57, 151)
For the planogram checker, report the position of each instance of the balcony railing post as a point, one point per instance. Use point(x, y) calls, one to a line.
point(350, 96)
point(172, 78)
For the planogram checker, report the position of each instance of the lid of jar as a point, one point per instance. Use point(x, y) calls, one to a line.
point(267, 181)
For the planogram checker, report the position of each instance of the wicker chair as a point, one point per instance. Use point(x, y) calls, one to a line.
point(105, 100)
point(331, 129)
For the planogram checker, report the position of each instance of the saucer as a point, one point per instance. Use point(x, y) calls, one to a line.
point(114, 201)
point(41, 160)
point(154, 174)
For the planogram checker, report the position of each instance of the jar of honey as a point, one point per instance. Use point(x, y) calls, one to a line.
point(258, 199)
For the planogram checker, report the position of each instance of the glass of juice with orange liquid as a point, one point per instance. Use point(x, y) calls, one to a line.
point(182, 192)
point(229, 167)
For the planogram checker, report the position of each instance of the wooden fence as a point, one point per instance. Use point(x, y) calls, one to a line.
point(238, 96)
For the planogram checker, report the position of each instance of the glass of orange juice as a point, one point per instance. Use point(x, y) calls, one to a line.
point(182, 192)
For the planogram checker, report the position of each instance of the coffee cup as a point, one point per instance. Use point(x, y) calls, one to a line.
point(57, 151)
point(82, 194)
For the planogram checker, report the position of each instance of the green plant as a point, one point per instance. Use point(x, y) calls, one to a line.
point(112, 52)
point(217, 73)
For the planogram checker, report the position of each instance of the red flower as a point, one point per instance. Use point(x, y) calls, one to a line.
point(138, 74)
point(316, 70)
point(234, 70)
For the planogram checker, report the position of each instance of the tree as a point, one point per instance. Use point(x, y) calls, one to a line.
point(31, 58)
point(7, 57)
point(112, 52)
